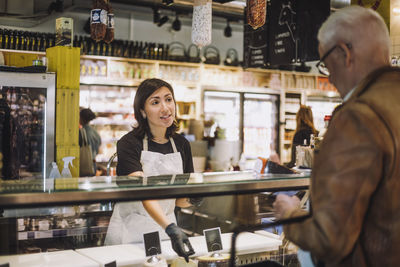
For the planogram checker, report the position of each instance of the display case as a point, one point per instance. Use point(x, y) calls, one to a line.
point(27, 123)
point(74, 214)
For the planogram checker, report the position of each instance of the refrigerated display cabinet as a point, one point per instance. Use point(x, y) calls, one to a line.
point(85, 224)
point(27, 133)
point(322, 106)
point(248, 124)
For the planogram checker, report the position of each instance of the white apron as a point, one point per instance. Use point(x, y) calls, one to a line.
point(130, 220)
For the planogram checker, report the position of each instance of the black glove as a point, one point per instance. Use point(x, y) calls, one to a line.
point(178, 240)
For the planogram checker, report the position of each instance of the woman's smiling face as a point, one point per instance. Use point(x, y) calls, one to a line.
point(159, 109)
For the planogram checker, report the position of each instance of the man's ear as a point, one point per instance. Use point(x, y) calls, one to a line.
point(143, 113)
point(347, 52)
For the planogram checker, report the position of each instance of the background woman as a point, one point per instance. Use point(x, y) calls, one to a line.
point(152, 148)
point(304, 129)
point(86, 115)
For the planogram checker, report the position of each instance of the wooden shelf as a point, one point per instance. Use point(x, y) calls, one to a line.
point(95, 80)
point(124, 59)
point(23, 52)
point(178, 63)
point(222, 67)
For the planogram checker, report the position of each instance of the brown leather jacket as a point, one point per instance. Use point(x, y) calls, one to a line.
point(355, 184)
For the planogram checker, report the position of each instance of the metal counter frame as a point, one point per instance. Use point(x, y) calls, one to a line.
point(129, 193)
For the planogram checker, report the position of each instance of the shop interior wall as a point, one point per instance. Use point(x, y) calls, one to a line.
point(395, 28)
point(139, 27)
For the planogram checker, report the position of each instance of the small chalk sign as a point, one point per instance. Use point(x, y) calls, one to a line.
point(213, 239)
point(152, 243)
point(111, 264)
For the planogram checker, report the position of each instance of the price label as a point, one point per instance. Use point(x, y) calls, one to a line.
point(152, 243)
point(213, 239)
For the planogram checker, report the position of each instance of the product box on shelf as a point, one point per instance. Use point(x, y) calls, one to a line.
point(64, 31)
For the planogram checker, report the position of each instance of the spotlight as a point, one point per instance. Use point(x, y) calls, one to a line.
point(162, 21)
point(228, 30)
point(168, 2)
point(156, 15)
point(176, 24)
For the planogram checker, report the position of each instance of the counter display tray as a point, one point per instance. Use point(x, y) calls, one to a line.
point(247, 243)
point(134, 255)
point(124, 255)
point(64, 258)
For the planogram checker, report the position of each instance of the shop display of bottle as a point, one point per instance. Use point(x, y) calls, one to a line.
point(24, 40)
point(22, 131)
point(37, 41)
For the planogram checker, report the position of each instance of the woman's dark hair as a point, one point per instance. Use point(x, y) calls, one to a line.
point(144, 91)
point(86, 115)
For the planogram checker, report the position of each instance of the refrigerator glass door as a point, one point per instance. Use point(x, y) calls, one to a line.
point(321, 107)
point(260, 125)
point(224, 109)
point(27, 112)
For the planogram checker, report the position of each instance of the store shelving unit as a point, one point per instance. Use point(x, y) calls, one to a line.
point(189, 81)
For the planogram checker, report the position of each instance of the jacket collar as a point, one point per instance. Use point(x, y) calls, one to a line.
point(370, 79)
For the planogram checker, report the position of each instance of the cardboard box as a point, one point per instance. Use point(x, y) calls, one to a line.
point(64, 31)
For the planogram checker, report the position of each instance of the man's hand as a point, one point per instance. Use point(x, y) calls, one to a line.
point(285, 203)
point(179, 240)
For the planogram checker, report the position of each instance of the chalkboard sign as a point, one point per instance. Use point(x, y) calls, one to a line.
point(255, 52)
point(312, 14)
point(289, 34)
point(283, 33)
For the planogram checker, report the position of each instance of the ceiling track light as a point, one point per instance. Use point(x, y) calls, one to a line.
point(162, 21)
point(176, 24)
point(228, 30)
point(168, 2)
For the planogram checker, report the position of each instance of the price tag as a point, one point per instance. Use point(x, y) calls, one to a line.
point(213, 239)
point(111, 264)
point(152, 243)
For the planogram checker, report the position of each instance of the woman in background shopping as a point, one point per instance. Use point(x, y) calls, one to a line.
point(86, 115)
point(152, 148)
point(304, 129)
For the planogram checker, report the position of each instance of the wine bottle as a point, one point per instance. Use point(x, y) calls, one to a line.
point(12, 40)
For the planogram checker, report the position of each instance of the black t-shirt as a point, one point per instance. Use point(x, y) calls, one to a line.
point(129, 149)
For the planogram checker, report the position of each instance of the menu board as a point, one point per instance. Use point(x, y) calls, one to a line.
point(289, 34)
point(255, 46)
point(283, 33)
point(312, 13)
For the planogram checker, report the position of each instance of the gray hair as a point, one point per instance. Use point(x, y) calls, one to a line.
point(360, 26)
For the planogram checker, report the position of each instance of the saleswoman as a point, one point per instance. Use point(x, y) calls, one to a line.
point(152, 148)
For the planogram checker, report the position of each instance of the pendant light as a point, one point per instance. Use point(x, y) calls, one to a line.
point(176, 24)
point(228, 30)
point(202, 22)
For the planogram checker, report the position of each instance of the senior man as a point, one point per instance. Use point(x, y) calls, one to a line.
point(355, 183)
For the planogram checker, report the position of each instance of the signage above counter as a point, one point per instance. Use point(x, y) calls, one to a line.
point(289, 34)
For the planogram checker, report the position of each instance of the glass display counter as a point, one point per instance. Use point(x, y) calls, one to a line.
point(73, 213)
point(71, 191)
